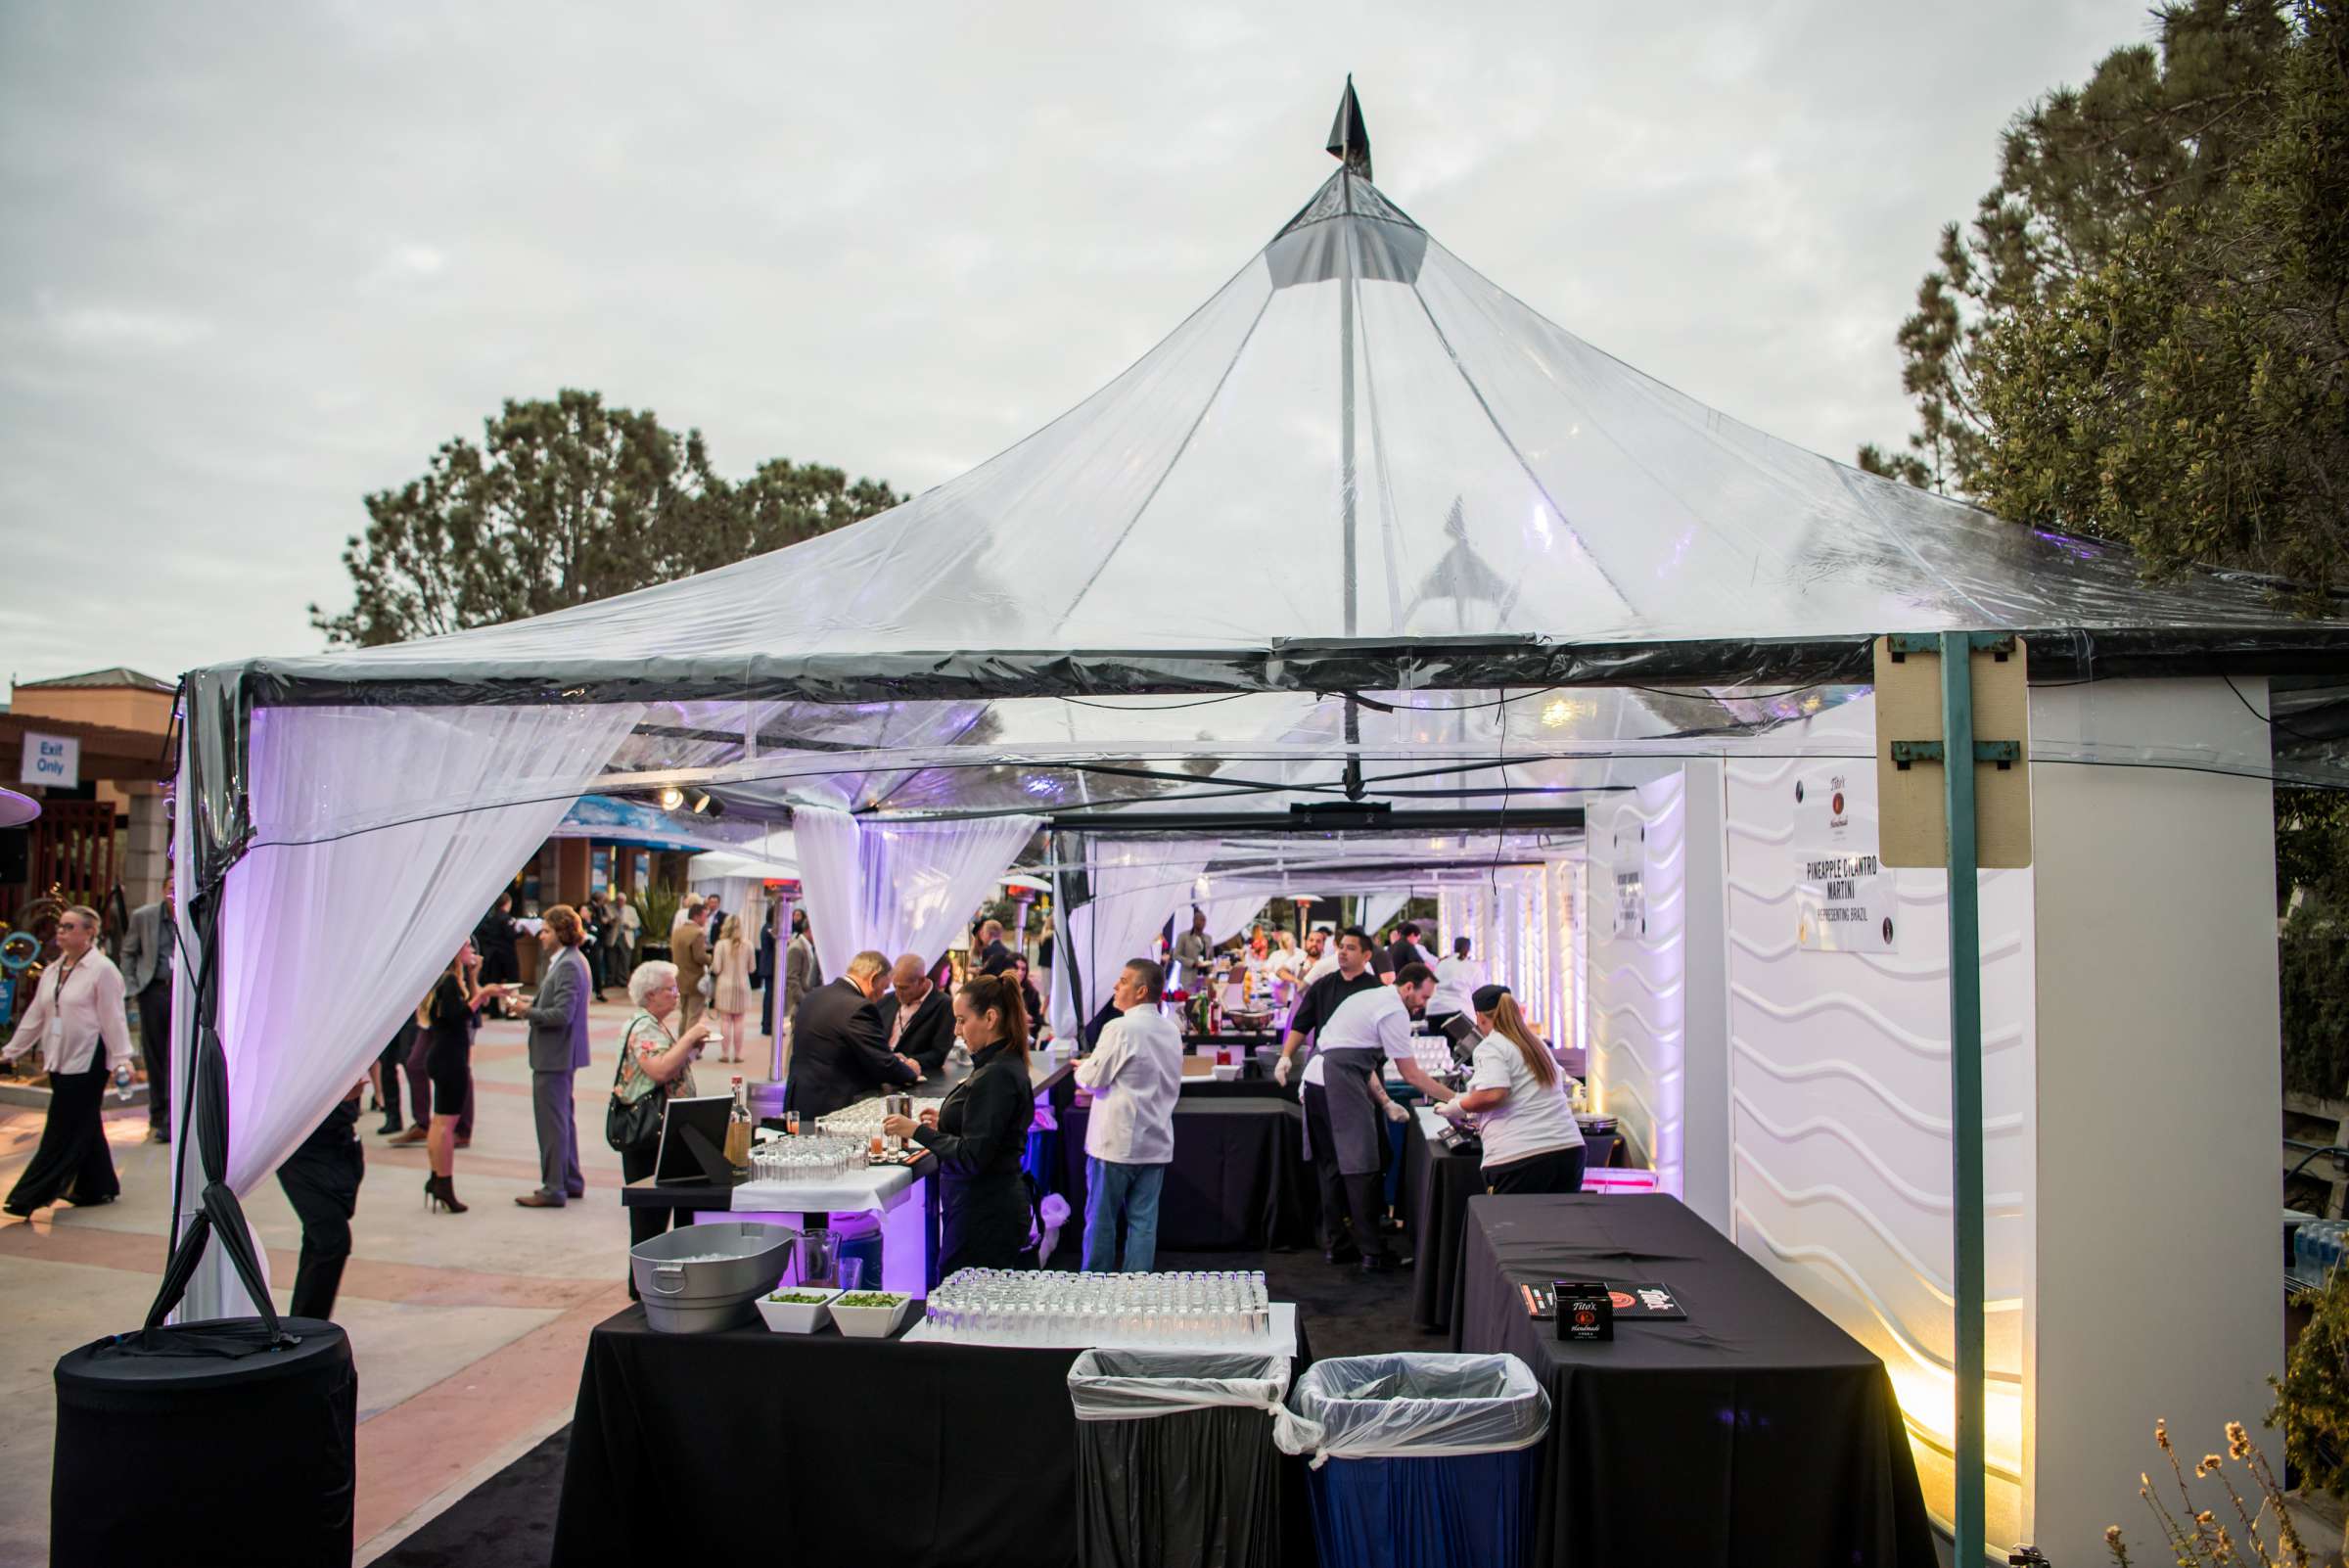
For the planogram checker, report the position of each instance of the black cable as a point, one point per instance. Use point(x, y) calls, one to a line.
point(2265, 718)
point(1161, 707)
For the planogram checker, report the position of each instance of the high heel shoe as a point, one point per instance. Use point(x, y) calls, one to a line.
point(442, 1190)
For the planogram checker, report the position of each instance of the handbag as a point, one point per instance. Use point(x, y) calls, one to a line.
point(631, 1126)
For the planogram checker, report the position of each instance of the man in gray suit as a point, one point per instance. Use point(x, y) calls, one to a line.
point(146, 954)
point(558, 1049)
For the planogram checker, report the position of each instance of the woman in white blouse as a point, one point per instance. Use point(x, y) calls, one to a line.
point(77, 1008)
point(1518, 1095)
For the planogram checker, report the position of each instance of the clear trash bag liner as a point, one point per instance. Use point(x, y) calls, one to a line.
point(1136, 1385)
point(1417, 1406)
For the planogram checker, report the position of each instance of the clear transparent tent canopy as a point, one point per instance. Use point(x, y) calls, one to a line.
point(1362, 503)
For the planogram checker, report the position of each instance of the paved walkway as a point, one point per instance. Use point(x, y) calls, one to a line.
point(467, 1328)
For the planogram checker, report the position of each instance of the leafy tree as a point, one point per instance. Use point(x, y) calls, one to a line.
point(2190, 396)
point(2142, 336)
point(564, 502)
point(2082, 174)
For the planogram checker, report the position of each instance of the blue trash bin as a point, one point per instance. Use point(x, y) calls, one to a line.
point(1423, 1461)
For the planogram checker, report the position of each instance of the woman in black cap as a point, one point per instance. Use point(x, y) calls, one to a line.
point(1518, 1095)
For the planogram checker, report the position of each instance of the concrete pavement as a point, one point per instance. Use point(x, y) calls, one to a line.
point(467, 1329)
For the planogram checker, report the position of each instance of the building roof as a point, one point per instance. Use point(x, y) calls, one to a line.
point(119, 675)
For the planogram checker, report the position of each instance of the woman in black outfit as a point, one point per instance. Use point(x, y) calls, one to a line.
point(1031, 1001)
point(980, 1131)
point(446, 1020)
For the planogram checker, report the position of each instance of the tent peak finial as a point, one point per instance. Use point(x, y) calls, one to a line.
point(1349, 137)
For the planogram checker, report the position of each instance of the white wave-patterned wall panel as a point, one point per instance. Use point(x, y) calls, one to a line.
point(1638, 975)
point(1839, 1107)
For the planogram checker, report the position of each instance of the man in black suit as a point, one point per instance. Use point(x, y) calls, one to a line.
point(916, 1019)
point(839, 1053)
point(992, 956)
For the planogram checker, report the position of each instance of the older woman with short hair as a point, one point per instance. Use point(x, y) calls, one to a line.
point(653, 1059)
point(77, 1019)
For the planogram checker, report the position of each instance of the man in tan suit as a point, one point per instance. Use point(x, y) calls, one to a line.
point(690, 950)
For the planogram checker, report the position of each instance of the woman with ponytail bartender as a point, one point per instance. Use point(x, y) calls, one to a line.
point(979, 1132)
point(1518, 1095)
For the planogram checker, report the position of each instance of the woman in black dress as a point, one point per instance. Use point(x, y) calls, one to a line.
point(445, 1019)
point(980, 1131)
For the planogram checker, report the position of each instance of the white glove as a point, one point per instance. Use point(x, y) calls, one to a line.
point(1452, 1110)
point(1280, 1070)
point(1395, 1113)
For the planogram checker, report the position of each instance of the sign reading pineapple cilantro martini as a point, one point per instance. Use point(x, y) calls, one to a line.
point(1845, 898)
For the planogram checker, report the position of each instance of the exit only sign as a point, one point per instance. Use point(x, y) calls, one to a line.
point(51, 760)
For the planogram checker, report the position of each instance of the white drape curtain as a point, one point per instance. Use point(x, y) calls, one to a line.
point(1136, 886)
point(899, 887)
point(831, 883)
point(1060, 1004)
point(1451, 920)
point(1381, 905)
point(1227, 910)
point(334, 859)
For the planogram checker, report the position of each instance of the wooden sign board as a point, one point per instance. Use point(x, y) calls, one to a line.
point(1911, 827)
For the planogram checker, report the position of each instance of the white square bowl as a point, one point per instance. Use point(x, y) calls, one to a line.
point(869, 1322)
point(795, 1317)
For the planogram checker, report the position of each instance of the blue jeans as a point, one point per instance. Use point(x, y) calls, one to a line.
point(1111, 1188)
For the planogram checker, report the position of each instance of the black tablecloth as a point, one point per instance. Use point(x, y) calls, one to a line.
point(1756, 1432)
point(816, 1449)
point(1238, 1181)
point(1438, 1184)
point(1243, 1088)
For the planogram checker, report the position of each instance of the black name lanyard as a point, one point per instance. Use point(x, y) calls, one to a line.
point(54, 1036)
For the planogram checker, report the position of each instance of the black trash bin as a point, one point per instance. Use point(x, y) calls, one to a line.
point(1176, 1464)
point(206, 1442)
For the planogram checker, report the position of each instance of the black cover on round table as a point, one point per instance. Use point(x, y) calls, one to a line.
point(1238, 1181)
point(204, 1433)
point(1756, 1432)
point(817, 1449)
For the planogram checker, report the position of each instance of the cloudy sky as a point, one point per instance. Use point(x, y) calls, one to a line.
point(261, 260)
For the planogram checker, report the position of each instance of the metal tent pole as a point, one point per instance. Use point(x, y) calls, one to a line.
point(1966, 1082)
point(1346, 482)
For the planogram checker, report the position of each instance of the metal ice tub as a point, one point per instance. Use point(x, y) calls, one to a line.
point(700, 1279)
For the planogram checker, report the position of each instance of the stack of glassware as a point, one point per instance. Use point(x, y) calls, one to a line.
point(806, 1159)
point(860, 1120)
point(1001, 1306)
point(1434, 1056)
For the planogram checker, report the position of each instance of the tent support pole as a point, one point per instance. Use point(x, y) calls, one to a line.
point(1965, 1085)
point(1346, 485)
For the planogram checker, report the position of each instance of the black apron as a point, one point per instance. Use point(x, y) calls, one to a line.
point(1356, 1124)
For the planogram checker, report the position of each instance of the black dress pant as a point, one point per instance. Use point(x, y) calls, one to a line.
point(395, 1057)
point(1555, 1171)
point(646, 1223)
point(154, 1044)
point(322, 1183)
point(1335, 1201)
point(72, 1161)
